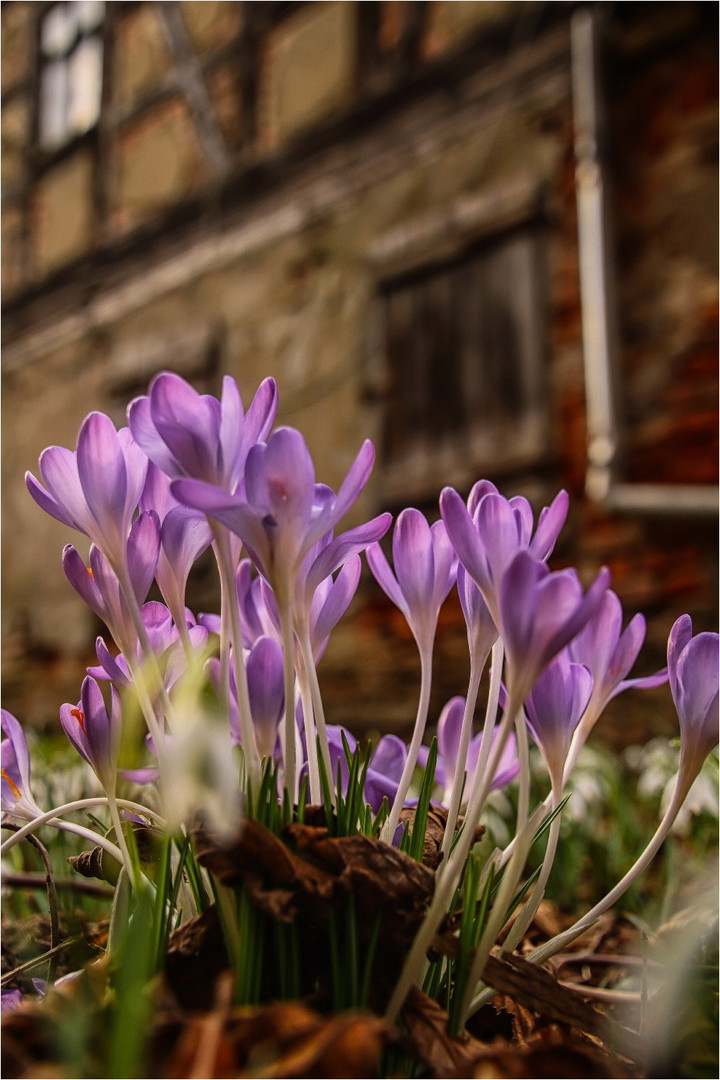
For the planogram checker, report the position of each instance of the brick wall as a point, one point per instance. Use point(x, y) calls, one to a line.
point(248, 200)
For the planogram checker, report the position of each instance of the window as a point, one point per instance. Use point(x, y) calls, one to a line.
point(71, 60)
point(464, 352)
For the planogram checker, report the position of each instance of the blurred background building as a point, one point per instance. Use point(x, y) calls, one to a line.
point(484, 234)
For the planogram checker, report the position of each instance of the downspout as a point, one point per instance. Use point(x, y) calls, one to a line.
point(599, 331)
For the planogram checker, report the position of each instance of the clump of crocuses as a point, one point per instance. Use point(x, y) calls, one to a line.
point(209, 712)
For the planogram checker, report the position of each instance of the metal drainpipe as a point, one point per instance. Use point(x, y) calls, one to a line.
point(599, 332)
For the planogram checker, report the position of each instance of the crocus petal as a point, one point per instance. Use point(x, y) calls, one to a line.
point(696, 680)
point(482, 632)
point(478, 491)
point(413, 558)
point(82, 580)
point(679, 636)
point(184, 536)
point(384, 576)
point(555, 706)
point(114, 668)
point(176, 663)
point(540, 613)
point(188, 423)
point(384, 771)
point(103, 476)
point(231, 512)
point(389, 757)
point(464, 536)
point(59, 472)
point(355, 480)
point(500, 528)
point(146, 436)
point(343, 546)
point(259, 417)
point(448, 734)
point(14, 732)
point(266, 691)
point(230, 433)
point(47, 503)
point(143, 549)
point(335, 603)
point(136, 467)
point(549, 526)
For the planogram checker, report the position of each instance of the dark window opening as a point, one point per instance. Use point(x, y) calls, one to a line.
point(465, 346)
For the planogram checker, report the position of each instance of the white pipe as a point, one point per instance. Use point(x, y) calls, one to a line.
point(598, 307)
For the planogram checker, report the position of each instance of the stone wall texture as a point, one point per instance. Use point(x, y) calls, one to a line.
point(258, 176)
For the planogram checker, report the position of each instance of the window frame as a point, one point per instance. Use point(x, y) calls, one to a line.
point(501, 445)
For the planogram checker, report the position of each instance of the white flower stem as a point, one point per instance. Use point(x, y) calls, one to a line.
point(388, 829)
point(151, 663)
point(247, 731)
point(130, 866)
point(446, 882)
point(317, 704)
point(288, 648)
point(523, 749)
point(309, 725)
point(498, 915)
point(476, 670)
point(561, 940)
point(498, 652)
point(538, 891)
point(52, 817)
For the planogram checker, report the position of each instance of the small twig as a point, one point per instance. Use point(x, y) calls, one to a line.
point(51, 895)
point(37, 881)
point(601, 993)
point(561, 959)
point(35, 960)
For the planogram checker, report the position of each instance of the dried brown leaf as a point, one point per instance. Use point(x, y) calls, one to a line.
point(426, 1024)
point(285, 1039)
point(538, 990)
point(196, 956)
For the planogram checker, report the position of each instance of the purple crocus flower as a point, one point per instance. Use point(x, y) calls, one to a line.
point(693, 671)
point(96, 488)
point(489, 532)
point(99, 585)
point(540, 612)
point(264, 667)
point(184, 535)
point(448, 736)
point(95, 732)
point(258, 610)
point(285, 512)
point(554, 707)
point(425, 568)
point(165, 643)
point(608, 652)
point(15, 793)
point(330, 601)
point(326, 556)
point(384, 768)
point(11, 999)
point(384, 771)
point(195, 435)
point(481, 630)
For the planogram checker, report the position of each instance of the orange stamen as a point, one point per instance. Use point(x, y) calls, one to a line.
point(79, 716)
point(13, 787)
